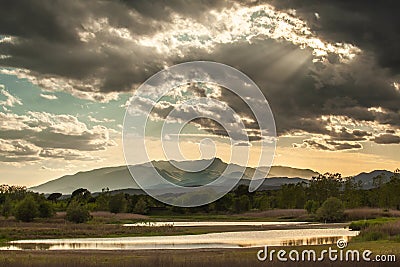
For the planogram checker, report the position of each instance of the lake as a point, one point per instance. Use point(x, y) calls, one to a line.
point(289, 237)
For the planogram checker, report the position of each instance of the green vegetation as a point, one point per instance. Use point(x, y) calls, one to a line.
point(378, 229)
point(118, 203)
point(311, 206)
point(324, 197)
point(363, 224)
point(27, 209)
point(77, 212)
point(201, 257)
point(332, 210)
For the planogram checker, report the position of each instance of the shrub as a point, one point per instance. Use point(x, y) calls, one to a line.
point(311, 206)
point(77, 213)
point(27, 209)
point(118, 203)
point(141, 206)
point(6, 208)
point(45, 210)
point(332, 210)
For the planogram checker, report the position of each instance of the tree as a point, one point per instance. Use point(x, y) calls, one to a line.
point(77, 212)
point(81, 194)
point(323, 186)
point(332, 210)
point(225, 203)
point(6, 208)
point(141, 206)
point(45, 209)
point(54, 197)
point(243, 203)
point(118, 203)
point(103, 201)
point(311, 206)
point(27, 209)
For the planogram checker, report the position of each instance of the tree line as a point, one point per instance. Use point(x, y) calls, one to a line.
point(325, 196)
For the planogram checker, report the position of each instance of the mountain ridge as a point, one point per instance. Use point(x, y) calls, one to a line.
point(119, 178)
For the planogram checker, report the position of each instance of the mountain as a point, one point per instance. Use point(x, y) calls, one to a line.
point(283, 171)
point(367, 179)
point(119, 177)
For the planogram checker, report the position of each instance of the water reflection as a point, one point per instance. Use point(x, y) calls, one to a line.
point(315, 241)
point(213, 240)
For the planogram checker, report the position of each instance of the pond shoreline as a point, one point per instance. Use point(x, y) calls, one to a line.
point(292, 234)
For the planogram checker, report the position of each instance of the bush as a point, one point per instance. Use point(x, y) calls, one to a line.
point(311, 206)
point(118, 203)
point(26, 210)
point(77, 213)
point(45, 210)
point(141, 207)
point(332, 210)
point(6, 208)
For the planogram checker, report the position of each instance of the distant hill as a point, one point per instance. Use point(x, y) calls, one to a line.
point(367, 179)
point(283, 171)
point(116, 178)
point(119, 178)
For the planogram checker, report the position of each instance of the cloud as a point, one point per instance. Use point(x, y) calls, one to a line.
point(48, 97)
point(18, 150)
point(328, 145)
point(67, 154)
point(110, 46)
point(10, 100)
point(92, 119)
point(50, 136)
point(387, 139)
point(311, 68)
point(374, 27)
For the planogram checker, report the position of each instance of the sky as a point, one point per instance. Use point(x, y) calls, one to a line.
point(329, 70)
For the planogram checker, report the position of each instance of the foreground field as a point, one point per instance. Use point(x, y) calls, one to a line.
point(109, 225)
point(202, 257)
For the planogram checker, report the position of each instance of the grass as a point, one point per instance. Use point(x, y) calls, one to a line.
point(363, 224)
point(200, 257)
point(369, 213)
point(268, 215)
point(278, 215)
point(389, 230)
point(57, 227)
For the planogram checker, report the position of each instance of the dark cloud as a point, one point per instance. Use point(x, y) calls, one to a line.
point(371, 25)
point(163, 11)
point(79, 42)
point(300, 92)
point(48, 43)
point(328, 145)
point(387, 139)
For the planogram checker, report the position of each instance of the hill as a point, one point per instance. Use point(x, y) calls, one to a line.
point(116, 178)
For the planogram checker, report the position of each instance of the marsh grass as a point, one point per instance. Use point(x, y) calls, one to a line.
point(200, 257)
point(385, 231)
point(363, 224)
point(369, 213)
